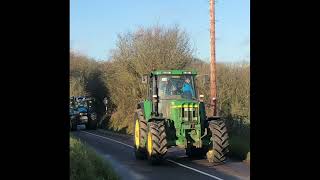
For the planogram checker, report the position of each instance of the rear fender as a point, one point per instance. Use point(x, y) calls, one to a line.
point(154, 119)
point(212, 118)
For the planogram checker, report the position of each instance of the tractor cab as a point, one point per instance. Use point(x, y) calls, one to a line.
point(84, 104)
point(170, 89)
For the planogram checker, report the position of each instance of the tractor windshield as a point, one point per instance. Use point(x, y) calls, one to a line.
point(83, 103)
point(176, 87)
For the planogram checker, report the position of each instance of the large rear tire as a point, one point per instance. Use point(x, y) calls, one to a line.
point(140, 135)
point(156, 142)
point(220, 142)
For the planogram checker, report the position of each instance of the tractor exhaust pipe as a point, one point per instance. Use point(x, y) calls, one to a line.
point(155, 97)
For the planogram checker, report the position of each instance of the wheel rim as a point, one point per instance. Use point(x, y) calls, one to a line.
point(137, 134)
point(149, 143)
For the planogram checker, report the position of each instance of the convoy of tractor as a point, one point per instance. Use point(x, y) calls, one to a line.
point(173, 114)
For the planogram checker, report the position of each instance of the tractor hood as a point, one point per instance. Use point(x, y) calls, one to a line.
point(82, 110)
point(170, 108)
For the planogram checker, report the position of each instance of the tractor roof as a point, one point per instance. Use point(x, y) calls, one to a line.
point(174, 72)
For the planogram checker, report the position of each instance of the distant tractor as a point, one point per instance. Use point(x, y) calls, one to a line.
point(83, 113)
point(172, 115)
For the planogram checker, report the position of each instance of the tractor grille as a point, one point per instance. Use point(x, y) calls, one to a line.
point(189, 112)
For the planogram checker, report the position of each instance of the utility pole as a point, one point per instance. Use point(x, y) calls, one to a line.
point(213, 86)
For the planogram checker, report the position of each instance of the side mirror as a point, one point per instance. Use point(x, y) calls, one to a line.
point(144, 79)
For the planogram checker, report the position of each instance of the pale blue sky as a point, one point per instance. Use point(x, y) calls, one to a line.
point(95, 24)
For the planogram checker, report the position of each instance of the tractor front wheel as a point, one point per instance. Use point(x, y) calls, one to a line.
point(156, 142)
point(140, 135)
point(219, 146)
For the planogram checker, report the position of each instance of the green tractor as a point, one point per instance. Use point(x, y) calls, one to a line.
point(173, 115)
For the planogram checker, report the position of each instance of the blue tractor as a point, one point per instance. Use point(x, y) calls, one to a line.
point(82, 112)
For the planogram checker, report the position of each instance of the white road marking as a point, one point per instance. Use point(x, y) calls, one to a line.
point(109, 139)
point(201, 172)
point(179, 164)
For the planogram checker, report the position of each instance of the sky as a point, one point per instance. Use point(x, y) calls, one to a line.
point(95, 25)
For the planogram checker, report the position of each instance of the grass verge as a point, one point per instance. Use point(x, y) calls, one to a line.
point(85, 164)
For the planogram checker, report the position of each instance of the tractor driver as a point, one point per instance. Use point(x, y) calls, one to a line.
point(187, 89)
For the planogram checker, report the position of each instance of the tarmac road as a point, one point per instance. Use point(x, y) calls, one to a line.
point(118, 150)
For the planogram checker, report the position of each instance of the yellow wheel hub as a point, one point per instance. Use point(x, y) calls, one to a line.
point(149, 144)
point(137, 134)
